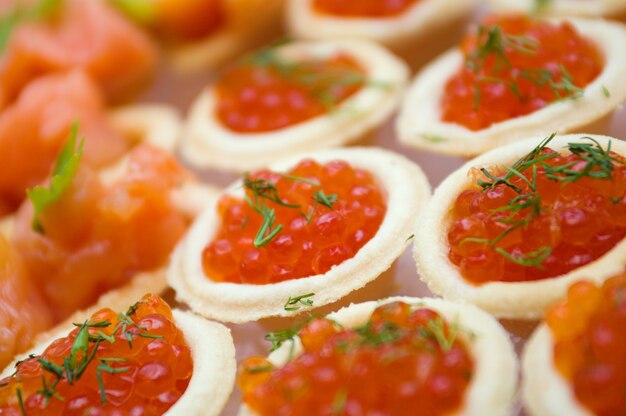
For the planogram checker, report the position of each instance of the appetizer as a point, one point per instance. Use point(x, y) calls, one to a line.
point(301, 235)
point(400, 356)
point(515, 77)
point(416, 29)
point(56, 36)
point(512, 229)
point(291, 98)
point(149, 360)
point(574, 362)
point(594, 8)
point(23, 313)
point(200, 34)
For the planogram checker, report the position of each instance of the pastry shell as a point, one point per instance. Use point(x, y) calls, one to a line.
point(206, 142)
point(250, 23)
point(544, 391)
point(407, 190)
point(514, 300)
point(430, 24)
point(419, 124)
point(595, 8)
point(493, 387)
point(214, 365)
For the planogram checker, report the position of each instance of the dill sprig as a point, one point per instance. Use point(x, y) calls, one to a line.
point(295, 303)
point(322, 84)
point(494, 43)
point(20, 13)
point(522, 209)
point(83, 354)
point(264, 191)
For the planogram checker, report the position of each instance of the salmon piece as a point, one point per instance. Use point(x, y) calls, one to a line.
point(23, 314)
point(36, 126)
point(89, 35)
point(99, 235)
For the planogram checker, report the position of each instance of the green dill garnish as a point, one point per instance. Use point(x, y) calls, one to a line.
point(321, 84)
point(260, 369)
point(83, 353)
point(326, 200)
point(339, 402)
point(264, 191)
point(409, 238)
point(141, 11)
point(540, 5)
point(296, 303)
point(433, 138)
point(606, 92)
point(494, 44)
point(20, 401)
point(527, 205)
point(20, 13)
point(64, 170)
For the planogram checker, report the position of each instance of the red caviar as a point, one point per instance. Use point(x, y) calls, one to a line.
point(265, 92)
point(514, 66)
point(403, 361)
point(589, 343)
point(499, 234)
point(363, 8)
point(327, 213)
point(97, 236)
point(142, 358)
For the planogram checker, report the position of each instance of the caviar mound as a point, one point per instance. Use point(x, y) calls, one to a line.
point(23, 313)
point(574, 361)
point(146, 350)
point(291, 106)
point(515, 66)
point(371, 334)
point(363, 9)
point(267, 92)
point(588, 343)
point(99, 233)
point(295, 224)
point(530, 291)
point(573, 108)
point(554, 213)
point(403, 187)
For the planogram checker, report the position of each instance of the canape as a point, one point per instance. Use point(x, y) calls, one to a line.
point(302, 235)
point(149, 359)
point(292, 98)
point(573, 364)
point(395, 356)
point(516, 77)
point(596, 8)
point(416, 29)
point(510, 230)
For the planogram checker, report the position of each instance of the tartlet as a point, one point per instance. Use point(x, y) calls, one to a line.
point(248, 23)
point(212, 353)
point(573, 362)
point(206, 142)
point(405, 189)
point(493, 386)
point(516, 299)
point(420, 122)
point(418, 33)
point(596, 8)
point(545, 392)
